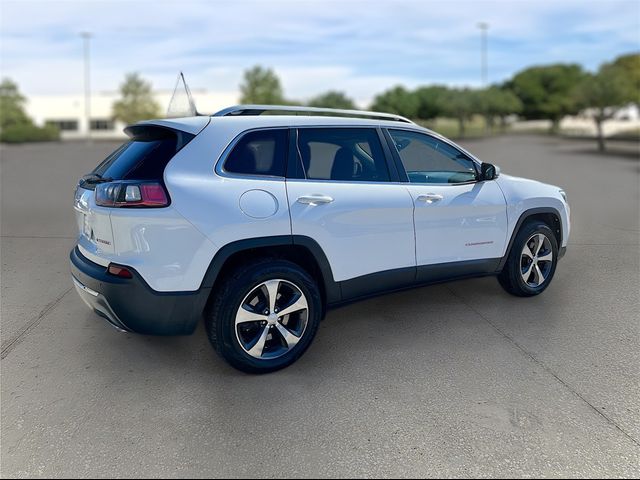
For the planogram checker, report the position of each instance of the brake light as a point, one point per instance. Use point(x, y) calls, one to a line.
point(131, 194)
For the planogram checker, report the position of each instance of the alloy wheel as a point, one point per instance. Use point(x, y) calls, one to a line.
point(536, 260)
point(271, 319)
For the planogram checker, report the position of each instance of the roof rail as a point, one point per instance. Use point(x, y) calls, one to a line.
point(260, 109)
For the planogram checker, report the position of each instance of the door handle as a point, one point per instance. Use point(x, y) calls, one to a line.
point(430, 198)
point(314, 199)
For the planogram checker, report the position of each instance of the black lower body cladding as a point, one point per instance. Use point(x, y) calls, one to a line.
point(132, 305)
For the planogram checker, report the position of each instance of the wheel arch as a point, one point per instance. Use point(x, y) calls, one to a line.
point(302, 250)
point(548, 215)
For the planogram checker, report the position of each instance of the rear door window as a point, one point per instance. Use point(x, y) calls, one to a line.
point(343, 154)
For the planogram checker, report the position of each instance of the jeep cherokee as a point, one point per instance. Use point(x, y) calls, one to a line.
point(260, 223)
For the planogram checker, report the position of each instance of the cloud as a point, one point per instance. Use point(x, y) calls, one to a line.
point(354, 46)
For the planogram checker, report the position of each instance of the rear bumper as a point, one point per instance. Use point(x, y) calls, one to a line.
point(99, 304)
point(131, 305)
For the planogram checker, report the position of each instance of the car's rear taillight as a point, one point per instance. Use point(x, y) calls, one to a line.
point(131, 194)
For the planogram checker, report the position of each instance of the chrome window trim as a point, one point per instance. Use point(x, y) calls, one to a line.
point(350, 182)
point(413, 128)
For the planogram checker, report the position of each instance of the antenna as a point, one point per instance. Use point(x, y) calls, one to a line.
point(181, 103)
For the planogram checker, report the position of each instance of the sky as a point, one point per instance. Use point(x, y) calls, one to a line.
point(358, 47)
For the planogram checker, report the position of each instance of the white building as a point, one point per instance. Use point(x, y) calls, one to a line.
point(68, 111)
point(625, 120)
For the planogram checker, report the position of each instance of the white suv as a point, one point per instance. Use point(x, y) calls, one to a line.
point(260, 223)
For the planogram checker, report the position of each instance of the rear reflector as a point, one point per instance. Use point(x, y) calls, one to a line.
point(119, 271)
point(131, 194)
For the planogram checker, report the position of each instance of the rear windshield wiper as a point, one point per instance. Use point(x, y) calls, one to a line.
point(94, 179)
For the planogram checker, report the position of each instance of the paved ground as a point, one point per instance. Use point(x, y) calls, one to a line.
point(450, 380)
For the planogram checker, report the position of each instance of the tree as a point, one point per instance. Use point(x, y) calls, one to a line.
point(495, 102)
point(137, 101)
point(546, 92)
point(15, 124)
point(510, 104)
point(261, 86)
point(630, 66)
point(396, 100)
point(11, 105)
point(604, 93)
point(430, 101)
point(333, 99)
point(460, 104)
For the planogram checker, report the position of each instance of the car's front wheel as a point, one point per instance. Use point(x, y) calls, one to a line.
point(264, 316)
point(531, 262)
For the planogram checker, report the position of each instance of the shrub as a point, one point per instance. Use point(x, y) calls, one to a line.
point(28, 132)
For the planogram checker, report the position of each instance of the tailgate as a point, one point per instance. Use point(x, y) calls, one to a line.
point(94, 223)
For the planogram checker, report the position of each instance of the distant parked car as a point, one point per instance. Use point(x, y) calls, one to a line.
point(260, 223)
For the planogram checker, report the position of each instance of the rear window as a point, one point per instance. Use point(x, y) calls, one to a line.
point(145, 156)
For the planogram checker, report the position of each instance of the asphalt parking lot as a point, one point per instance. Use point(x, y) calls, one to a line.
point(457, 379)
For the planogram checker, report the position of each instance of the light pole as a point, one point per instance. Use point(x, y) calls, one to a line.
point(484, 27)
point(86, 37)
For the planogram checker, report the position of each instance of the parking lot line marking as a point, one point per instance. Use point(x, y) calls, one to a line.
point(22, 333)
point(545, 368)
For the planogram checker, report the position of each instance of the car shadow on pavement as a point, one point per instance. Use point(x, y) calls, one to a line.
point(405, 322)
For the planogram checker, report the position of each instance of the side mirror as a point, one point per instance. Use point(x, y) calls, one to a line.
point(489, 171)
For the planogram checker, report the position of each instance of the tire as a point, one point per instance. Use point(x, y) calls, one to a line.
point(262, 343)
point(512, 277)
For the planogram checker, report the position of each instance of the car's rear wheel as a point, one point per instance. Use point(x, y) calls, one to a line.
point(264, 316)
point(531, 262)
